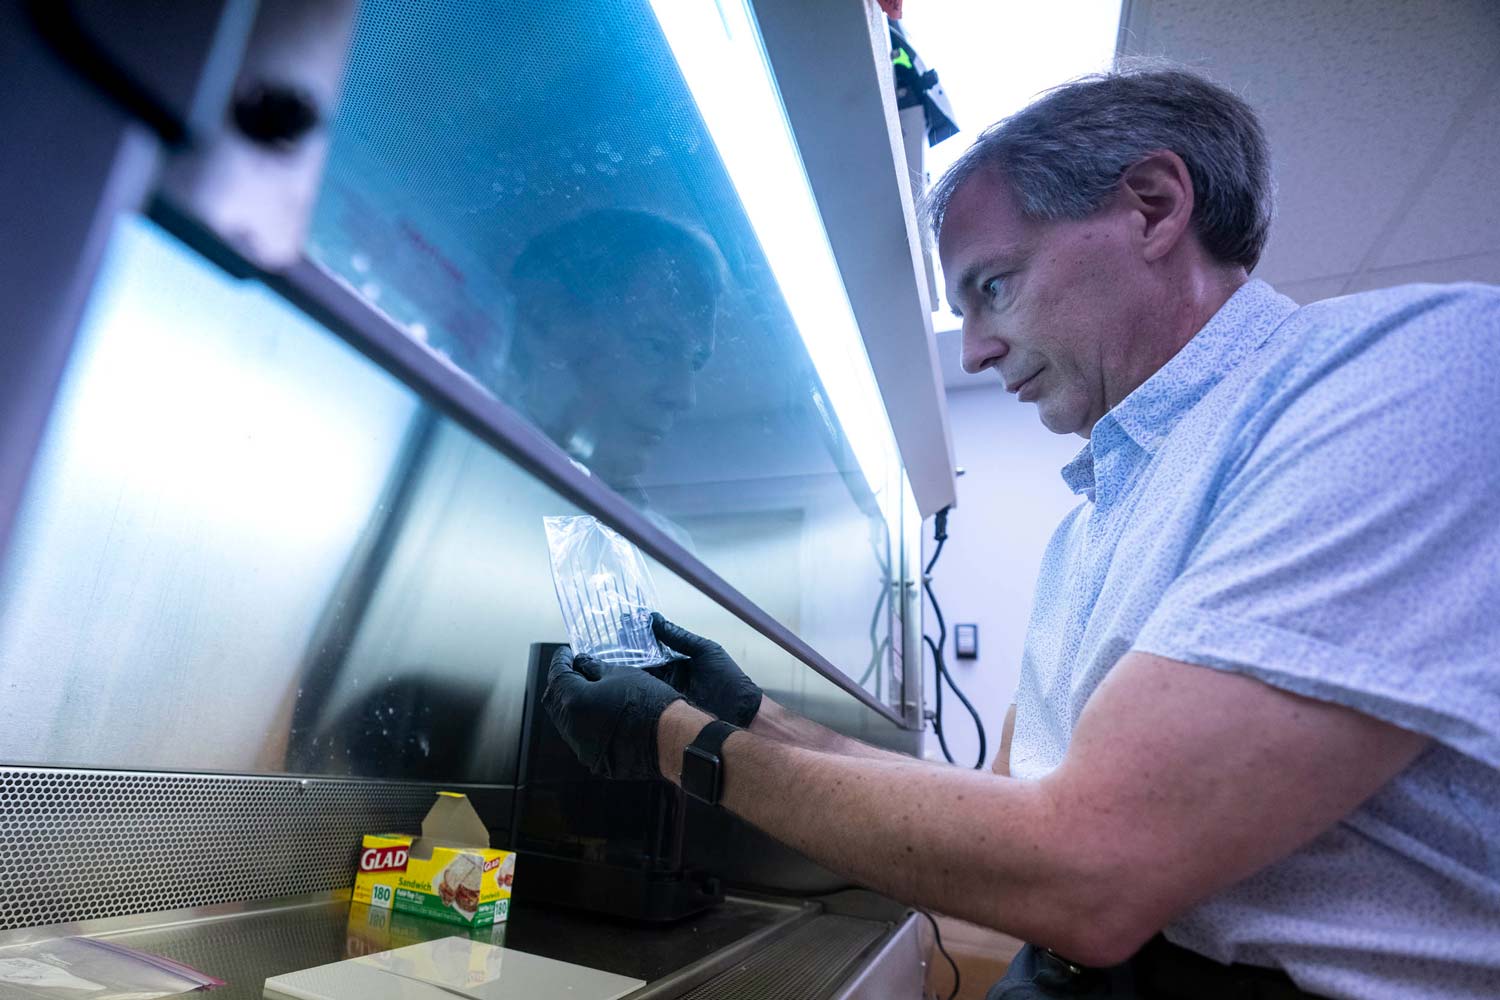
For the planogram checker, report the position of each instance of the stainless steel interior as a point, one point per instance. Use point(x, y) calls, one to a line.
point(749, 947)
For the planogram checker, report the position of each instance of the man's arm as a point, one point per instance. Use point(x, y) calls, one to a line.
point(779, 723)
point(707, 676)
point(782, 724)
point(1180, 780)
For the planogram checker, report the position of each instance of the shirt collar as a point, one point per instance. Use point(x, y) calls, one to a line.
point(1079, 472)
point(1148, 414)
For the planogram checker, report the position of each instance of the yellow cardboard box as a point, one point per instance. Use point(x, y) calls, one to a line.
point(448, 873)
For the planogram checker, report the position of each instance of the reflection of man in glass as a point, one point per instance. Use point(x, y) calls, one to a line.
point(614, 316)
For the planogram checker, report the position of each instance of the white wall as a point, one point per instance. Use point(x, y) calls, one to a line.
point(1010, 498)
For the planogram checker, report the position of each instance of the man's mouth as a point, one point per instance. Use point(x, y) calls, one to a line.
point(1018, 386)
point(652, 435)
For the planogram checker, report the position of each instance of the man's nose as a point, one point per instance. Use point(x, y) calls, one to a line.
point(676, 390)
point(981, 349)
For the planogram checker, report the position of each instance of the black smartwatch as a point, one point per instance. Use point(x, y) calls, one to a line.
point(702, 765)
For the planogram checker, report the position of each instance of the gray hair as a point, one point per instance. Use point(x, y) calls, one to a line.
point(1063, 155)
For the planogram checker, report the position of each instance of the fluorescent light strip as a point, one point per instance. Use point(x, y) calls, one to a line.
point(718, 50)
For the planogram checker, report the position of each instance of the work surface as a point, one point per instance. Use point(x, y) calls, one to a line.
point(246, 944)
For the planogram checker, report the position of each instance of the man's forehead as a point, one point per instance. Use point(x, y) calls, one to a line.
point(669, 281)
point(982, 219)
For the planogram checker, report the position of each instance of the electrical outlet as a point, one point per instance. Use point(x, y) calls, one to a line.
point(966, 641)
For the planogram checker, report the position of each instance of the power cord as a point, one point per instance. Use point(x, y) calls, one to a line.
point(940, 665)
point(937, 937)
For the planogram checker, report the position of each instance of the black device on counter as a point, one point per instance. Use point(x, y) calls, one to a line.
point(597, 844)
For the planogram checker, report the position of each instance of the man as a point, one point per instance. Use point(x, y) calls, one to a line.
point(1260, 705)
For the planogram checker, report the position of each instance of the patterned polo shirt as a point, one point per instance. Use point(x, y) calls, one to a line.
point(1311, 497)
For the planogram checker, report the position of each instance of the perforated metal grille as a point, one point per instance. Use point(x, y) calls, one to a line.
point(80, 845)
point(808, 963)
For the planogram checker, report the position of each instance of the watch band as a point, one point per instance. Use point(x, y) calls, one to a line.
point(703, 764)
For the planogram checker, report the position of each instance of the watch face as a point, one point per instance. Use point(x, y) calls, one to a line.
point(700, 774)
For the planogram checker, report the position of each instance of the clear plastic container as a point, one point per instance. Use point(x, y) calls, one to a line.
point(605, 592)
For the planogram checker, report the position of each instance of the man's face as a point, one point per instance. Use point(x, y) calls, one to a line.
point(640, 357)
point(660, 344)
point(1050, 306)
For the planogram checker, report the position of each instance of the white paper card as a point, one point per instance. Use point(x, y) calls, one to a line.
point(448, 968)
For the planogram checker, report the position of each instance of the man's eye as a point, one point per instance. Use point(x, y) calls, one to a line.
point(991, 288)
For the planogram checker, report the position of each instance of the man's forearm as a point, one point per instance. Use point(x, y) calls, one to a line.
point(776, 722)
point(968, 843)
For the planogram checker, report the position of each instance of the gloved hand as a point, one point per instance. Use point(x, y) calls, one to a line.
point(708, 677)
point(607, 714)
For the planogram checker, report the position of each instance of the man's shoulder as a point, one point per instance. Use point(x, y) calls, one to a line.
point(1457, 309)
point(1419, 361)
point(1376, 374)
point(1388, 333)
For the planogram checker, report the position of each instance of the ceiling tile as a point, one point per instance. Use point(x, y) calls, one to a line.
point(1312, 290)
point(1459, 211)
point(1476, 267)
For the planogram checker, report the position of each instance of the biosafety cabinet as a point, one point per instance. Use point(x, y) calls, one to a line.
point(313, 311)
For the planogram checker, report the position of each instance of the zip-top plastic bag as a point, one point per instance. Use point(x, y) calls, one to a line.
point(605, 592)
point(77, 968)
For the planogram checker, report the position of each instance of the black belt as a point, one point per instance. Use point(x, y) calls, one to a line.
point(1165, 971)
point(1159, 971)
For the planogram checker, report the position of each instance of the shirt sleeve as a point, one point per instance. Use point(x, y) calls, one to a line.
point(1352, 553)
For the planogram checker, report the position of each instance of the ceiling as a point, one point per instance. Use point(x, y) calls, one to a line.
point(1384, 122)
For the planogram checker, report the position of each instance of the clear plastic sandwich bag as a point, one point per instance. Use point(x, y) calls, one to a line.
point(605, 592)
point(75, 968)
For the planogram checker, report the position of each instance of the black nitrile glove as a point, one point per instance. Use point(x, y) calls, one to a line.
point(607, 714)
point(708, 677)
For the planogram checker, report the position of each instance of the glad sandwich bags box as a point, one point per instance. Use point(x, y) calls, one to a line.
point(371, 930)
point(448, 873)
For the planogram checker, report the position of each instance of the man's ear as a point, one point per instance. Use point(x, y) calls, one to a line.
point(1159, 189)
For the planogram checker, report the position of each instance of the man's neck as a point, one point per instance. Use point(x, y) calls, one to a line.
point(1204, 295)
point(1182, 309)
